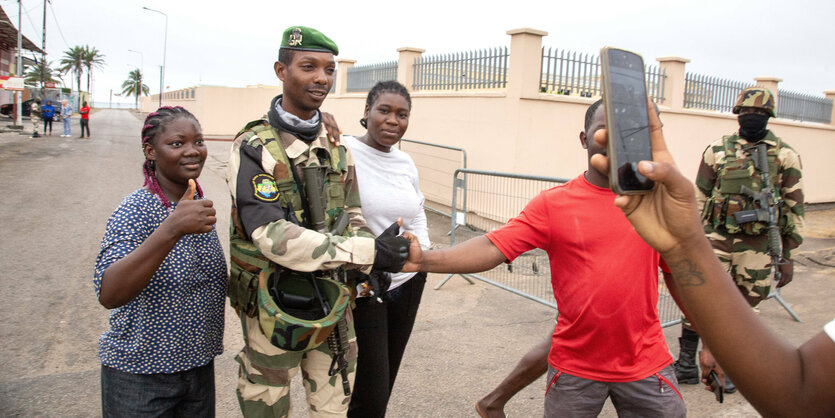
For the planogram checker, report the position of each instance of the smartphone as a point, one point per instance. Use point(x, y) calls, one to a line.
point(627, 121)
point(716, 387)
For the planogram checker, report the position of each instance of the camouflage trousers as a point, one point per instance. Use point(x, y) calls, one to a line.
point(36, 124)
point(265, 373)
point(746, 259)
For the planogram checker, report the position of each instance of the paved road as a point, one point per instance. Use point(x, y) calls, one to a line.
point(57, 195)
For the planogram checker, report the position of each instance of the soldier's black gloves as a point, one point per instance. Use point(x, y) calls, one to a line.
point(392, 251)
point(379, 282)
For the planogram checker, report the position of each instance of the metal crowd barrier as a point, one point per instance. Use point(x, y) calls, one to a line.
point(436, 166)
point(495, 198)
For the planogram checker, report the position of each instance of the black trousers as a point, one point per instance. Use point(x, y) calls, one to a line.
point(85, 124)
point(383, 330)
point(47, 125)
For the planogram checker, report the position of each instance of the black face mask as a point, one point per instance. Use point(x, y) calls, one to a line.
point(752, 126)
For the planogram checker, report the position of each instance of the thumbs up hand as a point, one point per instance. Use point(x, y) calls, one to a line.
point(192, 216)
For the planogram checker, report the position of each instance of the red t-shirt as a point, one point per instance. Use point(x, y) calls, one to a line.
point(605, 280)
point(85, 112)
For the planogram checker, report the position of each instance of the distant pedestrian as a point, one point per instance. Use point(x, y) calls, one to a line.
point(48, 114)
point(162, 273)
point(35, 117)
point(85, 119)
point(66, 115)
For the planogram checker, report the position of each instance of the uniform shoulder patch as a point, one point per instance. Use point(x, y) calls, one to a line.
point(264, 187)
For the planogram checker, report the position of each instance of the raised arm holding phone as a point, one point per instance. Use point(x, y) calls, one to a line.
point(779, 380)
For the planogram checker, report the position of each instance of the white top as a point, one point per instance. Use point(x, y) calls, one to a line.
point(389, 189)
point(830, 329)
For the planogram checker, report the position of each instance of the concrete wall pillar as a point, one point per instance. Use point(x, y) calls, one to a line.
point(675, 81)
point(770, 83)
point(525, 72)
point(830, 94)
point(342, 66)
point(406, 65)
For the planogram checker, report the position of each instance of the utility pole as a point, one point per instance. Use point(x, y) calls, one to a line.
point(164, 47)
point(18, 118)
point(43, 54)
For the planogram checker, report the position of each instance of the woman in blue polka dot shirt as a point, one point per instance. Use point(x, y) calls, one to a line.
point(162, 273)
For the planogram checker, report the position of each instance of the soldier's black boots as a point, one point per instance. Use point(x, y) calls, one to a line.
point(686, 370)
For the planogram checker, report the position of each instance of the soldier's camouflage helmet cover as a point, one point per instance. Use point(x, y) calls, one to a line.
point(757, 97)
point(291, 333)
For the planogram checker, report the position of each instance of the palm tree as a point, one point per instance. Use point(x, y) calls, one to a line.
point(92, 58)
point(133, 86)
point(32, 77)
point(73, 61)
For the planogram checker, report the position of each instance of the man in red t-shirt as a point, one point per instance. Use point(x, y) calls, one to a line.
point(85, 119)
point(608, 340)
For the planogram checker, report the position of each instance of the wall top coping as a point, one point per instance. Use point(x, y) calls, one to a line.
point(530, 31)
point(345, 60)
point(768, 78)
point(411, 49)
point(673, 59)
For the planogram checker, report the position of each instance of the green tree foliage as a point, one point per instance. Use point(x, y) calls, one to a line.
point(73, 61)
point(32, 77)
point(133, 86)
point(92, 58)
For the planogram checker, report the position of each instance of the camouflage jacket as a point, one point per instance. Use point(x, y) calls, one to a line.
point(787, 180)
point(260, 217)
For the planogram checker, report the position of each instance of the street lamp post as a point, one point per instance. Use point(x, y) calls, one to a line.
point(141, 59)
point(164, 47)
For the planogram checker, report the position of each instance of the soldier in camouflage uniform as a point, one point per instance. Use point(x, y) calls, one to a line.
point(273, 243)
point(727, 165)
point(35, 117)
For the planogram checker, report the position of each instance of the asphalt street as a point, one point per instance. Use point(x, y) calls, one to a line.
point(57, 194)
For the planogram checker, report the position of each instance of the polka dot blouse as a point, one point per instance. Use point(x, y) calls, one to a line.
point(176, 322)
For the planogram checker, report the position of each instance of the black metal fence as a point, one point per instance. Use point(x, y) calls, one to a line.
point(711, 93)
point(571, 73)
point(363, 78)
point(803, 107)
point(470, 70)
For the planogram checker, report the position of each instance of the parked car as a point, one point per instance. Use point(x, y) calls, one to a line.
point(8, 108)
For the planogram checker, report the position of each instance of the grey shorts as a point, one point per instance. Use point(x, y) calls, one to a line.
point(656, 396)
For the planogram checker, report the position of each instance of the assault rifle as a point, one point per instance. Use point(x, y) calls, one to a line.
point(314, 179)
point(767, 212)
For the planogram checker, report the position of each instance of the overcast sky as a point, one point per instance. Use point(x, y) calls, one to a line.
point(234, 43)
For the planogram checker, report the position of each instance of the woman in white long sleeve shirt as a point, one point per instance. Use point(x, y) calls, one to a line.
point(389, 190)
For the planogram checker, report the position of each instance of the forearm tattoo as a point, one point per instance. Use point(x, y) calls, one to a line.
point(686, 274)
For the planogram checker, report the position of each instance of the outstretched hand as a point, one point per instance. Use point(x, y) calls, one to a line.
point(415, 254)
point(667, 216)
point(192, 216)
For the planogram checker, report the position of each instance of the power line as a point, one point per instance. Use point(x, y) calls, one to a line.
point(29, 18)
point(55, 18)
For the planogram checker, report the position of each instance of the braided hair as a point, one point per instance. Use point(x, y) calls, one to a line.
point(385, 87)
point(154, 124)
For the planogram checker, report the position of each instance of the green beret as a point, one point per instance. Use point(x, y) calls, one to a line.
point(302, 38)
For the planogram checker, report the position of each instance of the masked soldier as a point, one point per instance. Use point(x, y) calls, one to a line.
point(729, 185)
point(296, 226)
point(35, 116)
